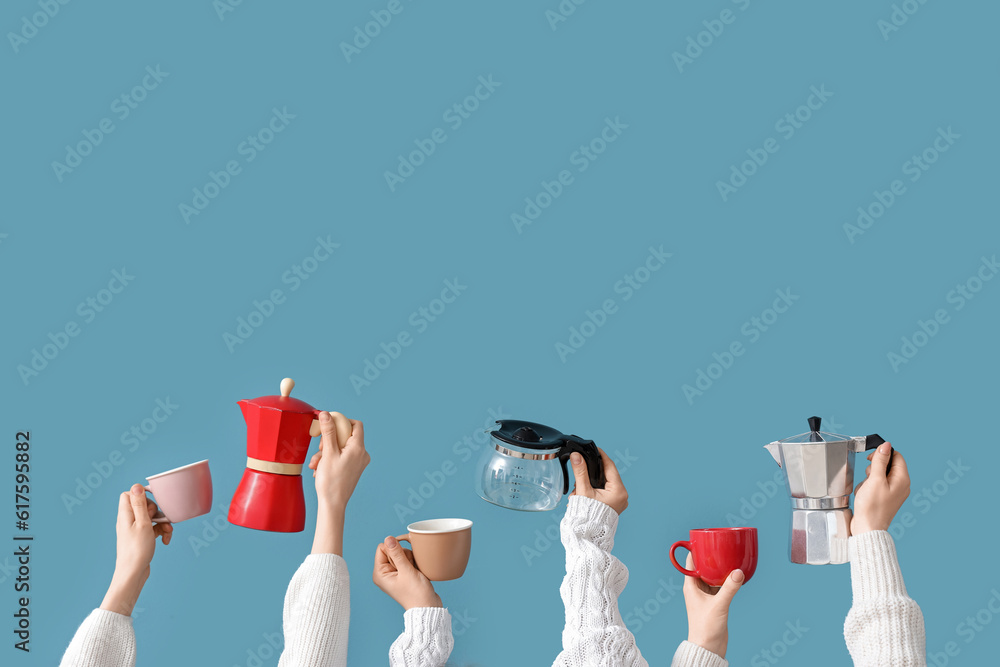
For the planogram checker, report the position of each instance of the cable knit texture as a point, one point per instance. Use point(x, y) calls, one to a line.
point(884, 626)
point(317, 613)
point(595, 634)
point(426, 640)
point(104, 639)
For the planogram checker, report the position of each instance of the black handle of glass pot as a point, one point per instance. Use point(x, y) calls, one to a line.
point(874, 440)
point(588, 450)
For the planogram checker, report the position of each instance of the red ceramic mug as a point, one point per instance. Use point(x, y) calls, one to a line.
point(719, 551)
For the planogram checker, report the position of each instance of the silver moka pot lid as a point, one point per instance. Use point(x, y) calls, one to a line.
point(815, 435)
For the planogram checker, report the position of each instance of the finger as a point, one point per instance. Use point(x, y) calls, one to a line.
point(880, 461)
point(357, 433)
point(164, 531)
point(344, 428)
point(381, 557)
point(314, 461)
point(582, 485)
point(611, 473)
point(729, 587)
point(328, 444)
point(899, 473)
point(151, 508)
point(397, 554)
point(137, 497)
point(125, 515)
point(693, 584)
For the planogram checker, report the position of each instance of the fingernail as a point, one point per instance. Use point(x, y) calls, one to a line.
point(737, 576)
point(137, 489)
point(325, 416)
point(884, 448)
point(391, 542)
point(575, 459)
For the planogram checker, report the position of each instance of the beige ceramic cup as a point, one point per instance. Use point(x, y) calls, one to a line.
point(182, 493)
point(441, 547)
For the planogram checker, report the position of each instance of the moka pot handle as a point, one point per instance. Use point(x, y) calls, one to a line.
point(872, 442)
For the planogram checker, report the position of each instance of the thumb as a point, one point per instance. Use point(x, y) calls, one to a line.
point(397, 555)
point(880, 461)
point(580, 473)
point(328, 443)
point(732, 584)
point(137, 497)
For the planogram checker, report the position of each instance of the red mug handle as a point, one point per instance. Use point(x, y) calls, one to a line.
point(673, 559)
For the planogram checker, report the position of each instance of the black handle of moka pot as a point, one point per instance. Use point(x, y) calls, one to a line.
point(588, 450)
point(874, 440)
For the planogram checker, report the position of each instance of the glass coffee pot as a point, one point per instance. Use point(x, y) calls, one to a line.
point(524, 466)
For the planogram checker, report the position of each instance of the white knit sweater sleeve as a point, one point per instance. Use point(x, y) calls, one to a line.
point(884, 626)
point(595, 633)
point(317, 613)
point(426, 640)
point(104, 639)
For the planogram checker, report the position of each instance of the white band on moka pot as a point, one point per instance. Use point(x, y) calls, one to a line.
point(273, 466)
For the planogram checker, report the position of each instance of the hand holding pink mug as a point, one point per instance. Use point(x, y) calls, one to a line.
point(719, 551)
point(182, 493)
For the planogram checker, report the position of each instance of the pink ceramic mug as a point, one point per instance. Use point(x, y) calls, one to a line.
point(182, 493)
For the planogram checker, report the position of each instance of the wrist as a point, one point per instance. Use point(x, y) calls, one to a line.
point(329, 537)
point(861, 526)
point(123, 593)
point(429, 602)
point(331, 508)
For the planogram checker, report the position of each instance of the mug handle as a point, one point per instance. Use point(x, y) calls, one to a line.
point(159, 517)
point(673, 559)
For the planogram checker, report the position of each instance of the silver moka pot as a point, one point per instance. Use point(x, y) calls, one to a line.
point(819, 476)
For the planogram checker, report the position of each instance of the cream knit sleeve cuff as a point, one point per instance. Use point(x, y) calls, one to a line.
point(875, 572)
point(692, 655)
point(426, 640)
point(104, 639)
point(591, 520)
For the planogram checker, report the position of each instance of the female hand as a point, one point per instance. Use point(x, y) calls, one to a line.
point(708, 610)
point(338, 466)
point(339, 463)
point(136, 543)
point(613, 494)
point(879, 497)
point(397, 576)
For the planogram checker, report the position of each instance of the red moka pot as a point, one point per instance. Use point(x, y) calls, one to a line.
point(279, 429)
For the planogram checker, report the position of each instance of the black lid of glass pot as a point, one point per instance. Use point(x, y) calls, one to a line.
point(528, 435)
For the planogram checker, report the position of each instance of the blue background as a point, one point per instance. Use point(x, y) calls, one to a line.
point(693, 462)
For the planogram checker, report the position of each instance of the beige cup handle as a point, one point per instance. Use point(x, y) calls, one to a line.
point(406, 538)
point(344, 428)
point(159, 517)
